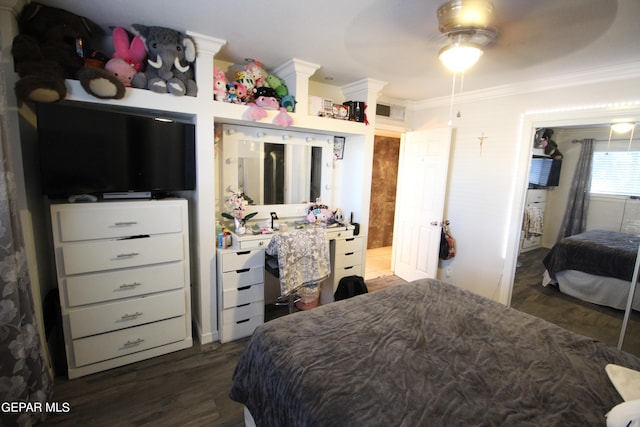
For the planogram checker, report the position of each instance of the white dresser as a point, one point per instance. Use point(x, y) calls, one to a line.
point(124, 281)
point(241, 278)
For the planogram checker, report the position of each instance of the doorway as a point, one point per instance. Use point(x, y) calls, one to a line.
point(384, 178)
point(528, 294)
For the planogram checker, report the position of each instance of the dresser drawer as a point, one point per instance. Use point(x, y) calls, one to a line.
point(234, 331)
point(339, 273)
point(536, 195)
point(238, 260)
point(239, 278)
point(243, 313)
point(243, 295)
point(353, 244)
point(348, 259)
point(254, 243)
point(103, 255)
point(127, 341)
point(117, 220)
point(108, 317)
point(112, 285)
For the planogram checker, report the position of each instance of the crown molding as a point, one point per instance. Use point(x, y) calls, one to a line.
point(605, 74)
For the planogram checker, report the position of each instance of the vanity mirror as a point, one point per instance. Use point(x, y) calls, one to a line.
point(275, 167)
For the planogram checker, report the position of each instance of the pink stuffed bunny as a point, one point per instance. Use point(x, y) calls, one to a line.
point(219, 84)
point(128, 58)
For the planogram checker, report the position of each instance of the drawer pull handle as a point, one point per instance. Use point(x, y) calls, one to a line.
point(261, 243)
point(130, 285)
point(350, 240)
point(349, 253)
point(244, 305)
point(127, 255)
point(243, 270)
point(243, 253)
point(131, 316)
point(348, 268)
point(242, 321)
point(125, 223)
point(244, 288)
point(133, 343)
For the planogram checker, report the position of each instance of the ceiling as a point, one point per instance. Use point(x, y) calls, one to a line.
point(395, 41)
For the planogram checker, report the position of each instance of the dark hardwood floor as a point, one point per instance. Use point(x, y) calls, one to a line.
point(601, 323)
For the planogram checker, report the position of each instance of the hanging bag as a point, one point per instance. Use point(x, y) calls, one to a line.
point(447, 243)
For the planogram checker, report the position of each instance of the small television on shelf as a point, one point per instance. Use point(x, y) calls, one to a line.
point(98, 152)
point(544, 172)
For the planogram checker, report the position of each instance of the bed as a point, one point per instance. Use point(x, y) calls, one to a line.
point(595, 266)
point(423, 353)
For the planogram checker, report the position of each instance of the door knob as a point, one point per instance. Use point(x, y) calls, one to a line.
point(434, 223)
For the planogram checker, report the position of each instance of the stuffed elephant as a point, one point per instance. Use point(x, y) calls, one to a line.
point(171, 55)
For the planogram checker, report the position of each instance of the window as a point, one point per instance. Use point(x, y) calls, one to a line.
point(616, 172)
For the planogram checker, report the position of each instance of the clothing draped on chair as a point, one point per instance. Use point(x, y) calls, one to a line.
point(24, 374)
point(575, 215)
point(303, 258)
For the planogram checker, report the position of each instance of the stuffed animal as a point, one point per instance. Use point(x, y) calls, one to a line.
point(170, 63)
point(257, 72)
point(128, 57)
point(265, 97)
point(283, 118)
point(51, 47)
point(241, 92)
point(231, 93)
point(219, 84)
point(247, 81)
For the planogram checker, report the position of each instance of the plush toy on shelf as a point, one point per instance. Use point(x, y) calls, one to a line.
point(266, 97)
point(170, 63)
point(128, 57)
point(219, 84)
point(52, 46)
point(257, 73)
point(245, 78)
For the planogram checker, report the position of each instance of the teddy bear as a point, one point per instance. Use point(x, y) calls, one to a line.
point(171, 55)
point(52, 46)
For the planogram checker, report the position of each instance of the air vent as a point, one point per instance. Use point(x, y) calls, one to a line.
point(393, 112)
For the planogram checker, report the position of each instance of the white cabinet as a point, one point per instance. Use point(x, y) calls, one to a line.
point(346, 257)
point(124, 281)
point(240, 291)
point(534, 211)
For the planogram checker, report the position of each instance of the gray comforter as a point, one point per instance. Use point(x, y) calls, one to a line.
point(599, 252)
point(423, 354)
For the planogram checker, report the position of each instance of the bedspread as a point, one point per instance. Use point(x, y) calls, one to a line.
point(423, 353)
point(603, 253)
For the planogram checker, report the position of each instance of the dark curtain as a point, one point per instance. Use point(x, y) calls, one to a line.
point(24, 374)
point(575, 215)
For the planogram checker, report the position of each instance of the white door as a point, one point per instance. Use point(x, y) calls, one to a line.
point(420, 196)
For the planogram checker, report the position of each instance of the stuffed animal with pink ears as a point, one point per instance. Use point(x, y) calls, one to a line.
point(219, 84)
point(128, 58)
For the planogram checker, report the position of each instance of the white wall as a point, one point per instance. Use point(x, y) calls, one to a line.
point(486, 187)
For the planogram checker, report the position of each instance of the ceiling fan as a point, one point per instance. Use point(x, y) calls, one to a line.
point(469, 28)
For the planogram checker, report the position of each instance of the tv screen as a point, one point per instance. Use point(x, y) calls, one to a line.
point(89, 151)
point(544, 172)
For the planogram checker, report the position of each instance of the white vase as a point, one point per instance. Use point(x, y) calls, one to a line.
point(239, 225)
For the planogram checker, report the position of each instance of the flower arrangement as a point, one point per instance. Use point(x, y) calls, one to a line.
point(236, 203)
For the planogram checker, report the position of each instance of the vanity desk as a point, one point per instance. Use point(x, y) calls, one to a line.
point(244, 288)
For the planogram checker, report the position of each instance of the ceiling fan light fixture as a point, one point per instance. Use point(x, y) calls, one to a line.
point(461, 15)
point(622, 127)
point(460, 56)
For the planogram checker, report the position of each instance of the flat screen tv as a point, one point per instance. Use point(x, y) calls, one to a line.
point(90, 151)
point(544, 172)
